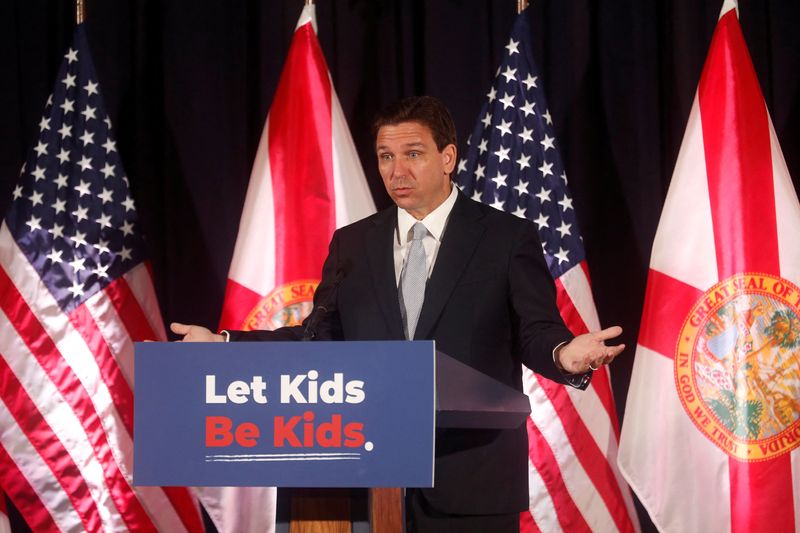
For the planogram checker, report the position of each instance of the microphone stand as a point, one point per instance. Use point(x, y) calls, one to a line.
point(328, 304)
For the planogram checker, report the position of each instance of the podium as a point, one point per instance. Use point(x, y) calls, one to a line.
point(315, 414)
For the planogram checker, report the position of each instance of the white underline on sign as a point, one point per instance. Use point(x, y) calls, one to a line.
point(260, 457)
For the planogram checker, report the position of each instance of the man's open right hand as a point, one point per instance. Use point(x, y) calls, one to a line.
point(195, 333)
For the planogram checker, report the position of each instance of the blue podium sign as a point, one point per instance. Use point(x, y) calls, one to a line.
point(287, 414)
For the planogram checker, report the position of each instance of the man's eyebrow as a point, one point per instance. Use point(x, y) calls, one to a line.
point(405, 146)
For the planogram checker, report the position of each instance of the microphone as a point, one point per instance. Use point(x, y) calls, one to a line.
point(327, 304)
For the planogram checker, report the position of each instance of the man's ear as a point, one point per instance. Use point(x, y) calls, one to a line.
point(449, 158)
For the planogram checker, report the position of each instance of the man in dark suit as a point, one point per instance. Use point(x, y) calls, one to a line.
point(441, 266)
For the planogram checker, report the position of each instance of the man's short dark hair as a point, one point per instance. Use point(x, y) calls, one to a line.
point(426, 110)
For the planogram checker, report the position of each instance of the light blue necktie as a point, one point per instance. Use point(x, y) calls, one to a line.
point(412, 281)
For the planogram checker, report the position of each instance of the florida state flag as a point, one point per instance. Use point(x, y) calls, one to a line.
point(306, 182)
point(711, 435)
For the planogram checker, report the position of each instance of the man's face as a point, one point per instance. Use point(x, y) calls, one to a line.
point(415, 173)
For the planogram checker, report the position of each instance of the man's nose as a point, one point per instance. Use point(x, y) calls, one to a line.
point(399, 168)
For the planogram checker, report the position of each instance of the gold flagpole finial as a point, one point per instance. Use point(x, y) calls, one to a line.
point(80, 11)
point(521, 4)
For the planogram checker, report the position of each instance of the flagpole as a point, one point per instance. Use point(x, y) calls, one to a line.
point(80, 11)
point(521, 5)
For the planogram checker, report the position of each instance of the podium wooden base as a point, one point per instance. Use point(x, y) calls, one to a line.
point(320, 511)
point(386, 510)
point(331, 511)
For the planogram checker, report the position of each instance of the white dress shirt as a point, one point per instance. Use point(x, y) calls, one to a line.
point(435, 223)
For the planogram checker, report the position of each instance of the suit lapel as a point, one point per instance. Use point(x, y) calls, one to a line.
point(461, 237)
point(380, 255)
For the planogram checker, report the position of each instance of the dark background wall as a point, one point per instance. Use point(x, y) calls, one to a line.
point(188, 84)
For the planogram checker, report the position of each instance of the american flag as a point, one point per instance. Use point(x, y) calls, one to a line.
point(74, 295)
point(512, 163)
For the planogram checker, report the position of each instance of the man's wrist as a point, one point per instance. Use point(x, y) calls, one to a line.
point(557, 356)
point(578, 380)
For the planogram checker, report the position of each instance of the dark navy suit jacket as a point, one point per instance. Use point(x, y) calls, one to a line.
point(490, 303)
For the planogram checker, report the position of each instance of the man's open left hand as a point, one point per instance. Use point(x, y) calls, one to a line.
point(589, 351)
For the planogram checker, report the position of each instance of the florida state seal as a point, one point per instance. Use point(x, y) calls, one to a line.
point(737, 366)
point(286, 305)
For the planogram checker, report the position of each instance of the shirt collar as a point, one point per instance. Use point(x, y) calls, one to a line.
point(434, 222)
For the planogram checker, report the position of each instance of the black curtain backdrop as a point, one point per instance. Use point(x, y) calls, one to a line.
point(188, 85)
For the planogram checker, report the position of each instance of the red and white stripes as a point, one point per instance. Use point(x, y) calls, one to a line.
point(67, 410)
point(572, 439)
